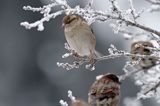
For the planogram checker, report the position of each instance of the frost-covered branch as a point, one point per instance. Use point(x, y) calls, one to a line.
point(129, 35)
point(154, 88)
point(128, 71)
point(47, 15)
point(149, 82)
point(132, 9)
point(89, 14)
point(74, 101)
point(63, 103)
point(114, 53)
point(72, 98)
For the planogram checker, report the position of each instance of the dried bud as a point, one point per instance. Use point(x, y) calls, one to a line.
point(79, 103)
point(105, 91)
point(142, 48)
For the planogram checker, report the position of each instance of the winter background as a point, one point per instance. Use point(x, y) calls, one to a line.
point(29, 75)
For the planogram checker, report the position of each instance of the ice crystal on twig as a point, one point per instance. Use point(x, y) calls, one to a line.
point(113, 50)
point(72, 98)
point(68, 66)
point(129, 69)
point(63, 103)
point(90, 67)
point(149, 82)
point(79, 60)
point(74, 101)
point(70, 95)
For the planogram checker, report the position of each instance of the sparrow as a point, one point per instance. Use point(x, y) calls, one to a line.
point(79, 36)
point(105, 91)
point(140, 47)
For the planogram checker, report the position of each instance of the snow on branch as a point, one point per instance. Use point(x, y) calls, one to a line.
point(63, 103)
point(89, 14)
point(149, 82)
point(74, 101)
point(129, 35)
point(72, 98)
point(113, 53)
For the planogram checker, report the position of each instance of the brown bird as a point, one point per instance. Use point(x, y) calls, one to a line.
point(105, 91)
point(140, 47)
point(79, 36)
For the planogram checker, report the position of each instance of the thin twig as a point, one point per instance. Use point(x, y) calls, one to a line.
point(123, 77)
point(153, 88)
point(126, 55)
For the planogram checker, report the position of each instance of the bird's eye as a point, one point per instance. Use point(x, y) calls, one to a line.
point(103, 97)
point(137, 47)
point(146, 50)
point(73, 19)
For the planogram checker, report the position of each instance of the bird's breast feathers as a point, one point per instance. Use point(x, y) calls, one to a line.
point(80, 39)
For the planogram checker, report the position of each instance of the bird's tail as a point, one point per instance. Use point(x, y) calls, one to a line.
point(97, 54)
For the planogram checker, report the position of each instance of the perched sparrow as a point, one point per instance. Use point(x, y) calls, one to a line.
point(140, 47)
point(80, 36)
point(79, 103)
point(105, 91)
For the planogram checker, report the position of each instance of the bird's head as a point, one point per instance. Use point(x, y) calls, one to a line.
point(70, 20)
point(140, 47)
point(112, 77)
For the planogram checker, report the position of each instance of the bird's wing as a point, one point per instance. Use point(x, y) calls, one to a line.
point(87, 27)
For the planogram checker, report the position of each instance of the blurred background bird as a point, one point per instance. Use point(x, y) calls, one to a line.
point(79, 36)
point(142, 47)
point(105, 91)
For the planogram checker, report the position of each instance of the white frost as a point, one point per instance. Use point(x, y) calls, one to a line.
point(63, 103)
point(132, 102)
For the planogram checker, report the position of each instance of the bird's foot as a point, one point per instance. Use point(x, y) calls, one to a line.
point(92, 60)
point(76, 55)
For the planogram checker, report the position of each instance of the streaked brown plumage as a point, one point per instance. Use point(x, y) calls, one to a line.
point(105, 91)
point(140, 48)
